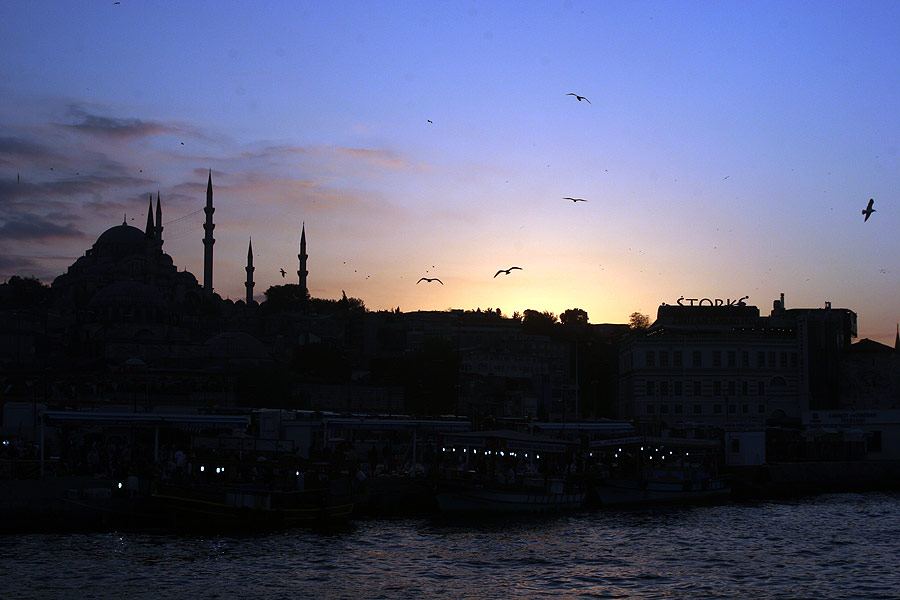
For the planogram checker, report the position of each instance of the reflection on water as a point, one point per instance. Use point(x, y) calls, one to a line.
point(833, 546)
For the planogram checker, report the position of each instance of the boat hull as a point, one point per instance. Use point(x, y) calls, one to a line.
point(201, 508)
point(635, 491)
point(507, 501)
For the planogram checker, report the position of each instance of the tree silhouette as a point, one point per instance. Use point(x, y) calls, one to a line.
point(534, 321)
point(26, 292)
point(574, 316)
point(638, 321)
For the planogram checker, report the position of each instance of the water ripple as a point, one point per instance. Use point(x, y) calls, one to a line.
point(833, 546)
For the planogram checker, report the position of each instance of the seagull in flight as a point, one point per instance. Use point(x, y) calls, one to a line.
point(506, 271)
point(283, 272)
point(869, 210)
point(575, 199)
point(579, 98)
point(429, 279)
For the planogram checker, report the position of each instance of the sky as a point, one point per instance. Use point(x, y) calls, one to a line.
point(724, 149)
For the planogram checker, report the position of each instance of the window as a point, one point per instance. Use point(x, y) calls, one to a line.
point(650, 409)
point(745, 388)
point(732, 358)
point(735, 444)
point(698, 388)
point(717, 358)
point(745, 408)
point(873, 441)
point(793, 360)
point(732, 409)
point(664, 409)
point(783, 360)
point(760, 359)
point(663, 358)
point(762, 409)
point(677, 388)
point(678, 409)
point(761, 388)
point(664, 388)
point(651, 388)
point(698, 408)
point(696, 359)
point(717, 408)
point(717, 388)
point(651, 358)
point(745, 359)
point(676, 358)
point(731, 388)
point(772, 359)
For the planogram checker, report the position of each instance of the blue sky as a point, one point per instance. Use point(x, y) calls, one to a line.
point(727, 149)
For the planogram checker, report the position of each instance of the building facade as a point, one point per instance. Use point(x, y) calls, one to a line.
point(723, 365)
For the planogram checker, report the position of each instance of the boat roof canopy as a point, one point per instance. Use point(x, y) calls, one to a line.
point(510, 440)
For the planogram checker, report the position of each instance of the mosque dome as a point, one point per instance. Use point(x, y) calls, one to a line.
point(122, 235)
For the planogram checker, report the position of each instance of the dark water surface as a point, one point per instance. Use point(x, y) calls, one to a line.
point(830, 546)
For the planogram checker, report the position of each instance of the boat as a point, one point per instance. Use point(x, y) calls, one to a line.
point(506, 472)
point(640, 470)
point(312, 499)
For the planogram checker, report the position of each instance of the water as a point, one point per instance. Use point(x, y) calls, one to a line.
point(830, 546)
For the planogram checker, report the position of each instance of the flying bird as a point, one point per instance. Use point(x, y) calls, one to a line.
point(430, 121)
point(579, 98)
point(506, 271)
point(575, 199)
point(283, 272)
point(869, 210)
point(429, 279)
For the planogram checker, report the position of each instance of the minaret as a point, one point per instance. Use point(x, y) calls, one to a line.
point(249, 269)
point(897, 339)
point(208, 240)
point(159, 225)
point(302, 272)
point(150, 230)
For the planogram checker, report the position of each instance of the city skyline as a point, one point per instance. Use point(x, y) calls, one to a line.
point(723, 150)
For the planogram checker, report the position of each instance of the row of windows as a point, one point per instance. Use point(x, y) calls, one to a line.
point(717, 388)
point(728, 358)
point(699, 409)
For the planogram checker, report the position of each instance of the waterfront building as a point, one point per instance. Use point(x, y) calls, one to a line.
point(719, 364)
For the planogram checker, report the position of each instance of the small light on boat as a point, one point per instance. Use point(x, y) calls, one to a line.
point(670, 453)
point(687, 453)
point(202, 468)
point(443, 449)
point(642, 448)
point(616, 455)
point(537, 455)
point(465, 449)
point(297, 473)
point(502, 453)
point(217, 469)
point(621, 449)
point(120, 485)
point(526, 455)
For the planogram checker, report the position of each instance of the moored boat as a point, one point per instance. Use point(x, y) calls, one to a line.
point(248, 506)
point(506, 471)
point(640, 470)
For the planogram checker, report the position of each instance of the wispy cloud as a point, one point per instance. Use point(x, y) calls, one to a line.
point(26, 226)
point(99, 125)
point(380, 158)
